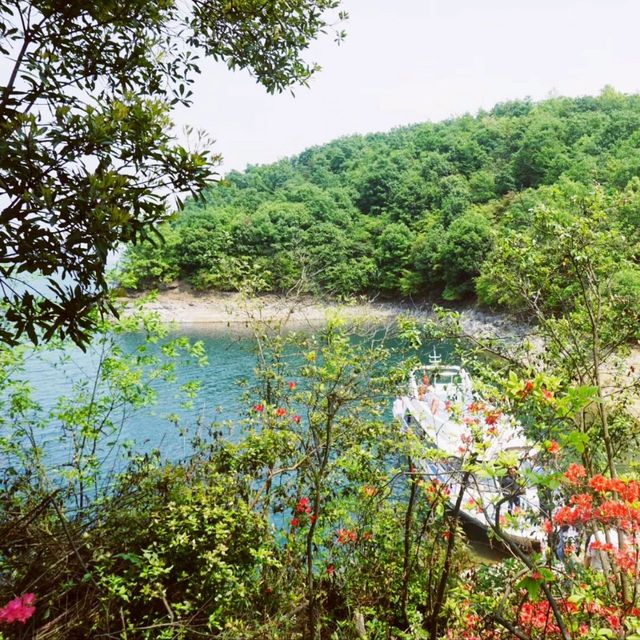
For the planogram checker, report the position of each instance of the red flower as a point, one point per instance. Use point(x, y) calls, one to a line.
point(296, 419)
point(599, 483)
point(548, 527)
point(303, 506)
point(292, 385)
point(19, 609)
point(295, 522)
point(547, 395)
point(346, 535)
point(258, 407)
point(330, 570)
point(553, 448)
point(575, 473)
point(614, 622)
point(280, 411)
point(526, 390)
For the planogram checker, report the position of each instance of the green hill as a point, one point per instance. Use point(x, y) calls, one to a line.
point(416, 211)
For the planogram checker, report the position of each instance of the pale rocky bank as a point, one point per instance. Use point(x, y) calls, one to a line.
point(182, 305)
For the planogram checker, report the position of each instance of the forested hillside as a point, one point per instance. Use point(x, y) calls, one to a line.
point(417, 211)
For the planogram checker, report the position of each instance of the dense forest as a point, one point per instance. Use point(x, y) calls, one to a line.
point(416, 212)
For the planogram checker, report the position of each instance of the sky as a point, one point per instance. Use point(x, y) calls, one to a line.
point(407, 61)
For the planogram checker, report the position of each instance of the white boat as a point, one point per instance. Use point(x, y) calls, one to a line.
point(460, 429)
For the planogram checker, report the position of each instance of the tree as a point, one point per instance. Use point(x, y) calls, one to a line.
point(576, 275)
point(87, 158)
point(468, 241)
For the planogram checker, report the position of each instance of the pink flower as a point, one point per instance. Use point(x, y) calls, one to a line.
point(296, 419)
point(258, 407)
point(331, 570)
point(19, 609)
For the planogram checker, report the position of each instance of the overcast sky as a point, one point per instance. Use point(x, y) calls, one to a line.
point(407, 61)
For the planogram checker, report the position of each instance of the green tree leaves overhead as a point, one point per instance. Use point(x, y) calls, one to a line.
point(87, 157)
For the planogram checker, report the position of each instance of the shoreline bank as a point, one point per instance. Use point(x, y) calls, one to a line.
point(208, 310)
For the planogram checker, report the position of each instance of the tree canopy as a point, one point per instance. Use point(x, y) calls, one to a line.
point(416, 211)
point(88, 159)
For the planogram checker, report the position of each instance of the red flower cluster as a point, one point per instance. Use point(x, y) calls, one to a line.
point(539, 616)
point(292, 385)
point(628, 491)
point(346, 535)
point(492, 417)
point(302, 510)
point(575, 473)
point(580, 512)
point(19, 609)
point(258, 407)
point(280, 411)
point(303, 506)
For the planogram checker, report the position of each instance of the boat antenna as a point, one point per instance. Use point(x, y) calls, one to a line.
point(434, 358)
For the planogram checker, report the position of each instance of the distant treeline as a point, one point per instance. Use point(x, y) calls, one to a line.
point(417, 211)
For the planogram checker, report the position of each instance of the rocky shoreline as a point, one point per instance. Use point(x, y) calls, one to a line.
point(184, 306)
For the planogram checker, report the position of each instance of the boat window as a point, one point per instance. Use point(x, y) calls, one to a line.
point(447, 378)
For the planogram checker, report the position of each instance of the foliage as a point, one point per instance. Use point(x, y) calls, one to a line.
point(289, 528)
point(308, 516)
point(411, 212)
point(88, 159)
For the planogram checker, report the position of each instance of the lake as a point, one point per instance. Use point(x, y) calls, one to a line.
point(231, 358)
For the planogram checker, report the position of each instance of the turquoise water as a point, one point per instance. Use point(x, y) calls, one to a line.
point(166, 425)
point(231, 358)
